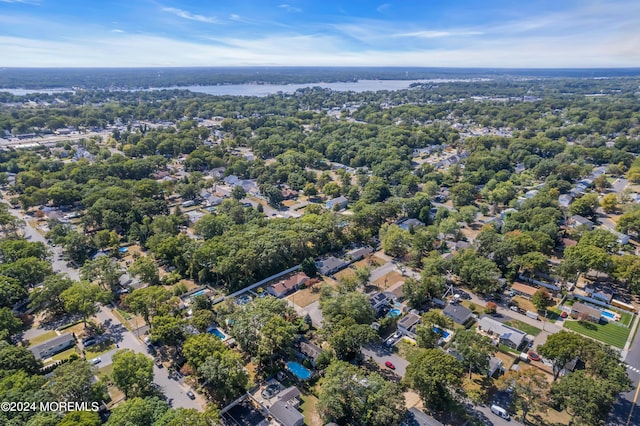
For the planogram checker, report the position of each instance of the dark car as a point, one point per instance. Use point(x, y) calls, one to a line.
point(191, 395)
point(89, 342)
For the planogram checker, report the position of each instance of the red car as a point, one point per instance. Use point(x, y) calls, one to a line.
point(390, 365)
point(533, 356)
point(564, 314)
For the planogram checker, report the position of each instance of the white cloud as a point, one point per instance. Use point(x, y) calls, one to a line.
point(438, 34)
point(191, 16)
point(234, 17)
point(31, 2)
point(117, 30)
point(383, 7)
point(289, 8)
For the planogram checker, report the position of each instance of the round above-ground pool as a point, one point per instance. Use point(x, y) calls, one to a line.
point(298, 370)
point(394, 312)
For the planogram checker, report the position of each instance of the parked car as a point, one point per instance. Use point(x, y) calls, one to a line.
point(514, 308)
point(396, 335)
point(564, 314)
point(500, 412)
point(390, 365)
point(191, 395)
point(89, 342)
point(95, 361)
point(389, 342)
point(533, 356)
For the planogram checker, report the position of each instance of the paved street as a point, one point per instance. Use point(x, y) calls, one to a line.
point(381, 354)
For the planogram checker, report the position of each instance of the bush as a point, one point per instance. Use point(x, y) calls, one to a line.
point(491, 308)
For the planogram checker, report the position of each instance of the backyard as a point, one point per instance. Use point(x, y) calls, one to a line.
point(527, 328)
point(608, 333)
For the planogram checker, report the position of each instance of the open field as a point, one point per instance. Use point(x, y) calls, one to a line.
point(388, 280)
point(610, 334)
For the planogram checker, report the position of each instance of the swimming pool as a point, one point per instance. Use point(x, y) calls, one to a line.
point(394, 313)
point(443, 333)
point(298, 370)
point(219, 334)
point(198, 293)
point(609, 315)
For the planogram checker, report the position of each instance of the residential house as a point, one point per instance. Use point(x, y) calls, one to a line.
point(285, 414)
point(577, 220)
point(416, 417)
point(523, 290)
point(289, 194)
point(507, 335)
point(379, 301)
point(409, 223)
point(564, 200)
point(331, 265)
point(310, 351)
point(407, 324)
point(286, 286)
point(291, 396)
point(583, 311)
point(52, 346)
point(342, 202)
point(359, 253)
point(495, 366)
point(602, 294)
point(458, 313)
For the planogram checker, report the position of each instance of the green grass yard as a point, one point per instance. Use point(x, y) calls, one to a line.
point(610, 334)
point(97, 350)
point(42, 338)
point(529, 329)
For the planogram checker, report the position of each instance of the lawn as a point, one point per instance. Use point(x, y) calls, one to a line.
point(345, 273)
point(611, 334)
point(527, 328)
point(524, 303)
point(369, 261)
point(97, 350)
point(626, 317)
point(310, 410)
point(63, 355)
point(42, 338)
point(306, 296)
point(388, 280)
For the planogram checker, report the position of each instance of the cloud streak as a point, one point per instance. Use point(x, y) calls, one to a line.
point(190, 16)
point(289, 8)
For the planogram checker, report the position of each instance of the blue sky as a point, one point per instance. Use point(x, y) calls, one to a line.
point(429, 33)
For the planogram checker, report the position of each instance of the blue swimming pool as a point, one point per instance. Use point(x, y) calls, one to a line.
point(198, 293)
point(219, 334)
point(394, 313)
point(608, 314)
point(443, 333)
point(298, 370)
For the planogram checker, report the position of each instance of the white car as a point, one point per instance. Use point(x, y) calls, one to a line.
point(396, 335)
point(95, 361)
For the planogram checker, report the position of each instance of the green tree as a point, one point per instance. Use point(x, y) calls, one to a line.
point(48, 297)
point(148, 302)
point(529, 389)
point(309, 267)
point(348, 396)
point(331, 190)
point(336, 307)
point(190, 417)
point(13, 358)
point(71, 382)
point(310, 190)
point(198, 347)
point(145, 268)
point(29, 271)
point(132, 373)
point(168, 329)
point(202, 319)
point(463, 194)
point(395, 240)
point(347, 338)
point(561, 348)
point(609, 203)
point(587, 399)
point(475, 350)
point(427, 335)
point(585, 206)
point(84, 418)
point(211, 225)
point(434, 374)
point(11, 291)
point(238, 192)
point(9, 324)
point(630, 222)
point(224, 373)
point(104, 270)
point(138, 412)
point(542, 300)
point(83, 298)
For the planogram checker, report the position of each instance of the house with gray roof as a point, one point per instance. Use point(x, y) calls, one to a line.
point(53, 346)
point(458, 313)
point(285, 414)
point(331, 265)
point(506, 335)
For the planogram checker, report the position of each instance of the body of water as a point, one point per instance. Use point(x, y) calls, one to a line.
point(298, 370)
point(220, 335)
point(271, 89)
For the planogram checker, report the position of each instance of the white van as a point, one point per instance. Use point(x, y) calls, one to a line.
point(500, 412)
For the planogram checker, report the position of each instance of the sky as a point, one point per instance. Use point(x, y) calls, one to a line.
point(420, 33)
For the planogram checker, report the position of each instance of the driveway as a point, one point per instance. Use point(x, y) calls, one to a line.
point(381, 354)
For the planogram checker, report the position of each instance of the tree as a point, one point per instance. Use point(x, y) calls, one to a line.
point(363, 275)
point(541, 299)
point(601, 183)
point(336, 307)
point(347, 338)
point(560, 348)
point(479, 273)
point(475, 350)
point(132, 373)
point(72, 382)
point(529, 389)
point(83, 298)
point(148, 302)
point(106, 239)
point(29, 271)
point(627, 269)
point(198, 347)
point(309, 267)
point(276, 338)
point(331, 190)
point(211, 225)
point(463, 194)
point(434, 374)
point(238, 192)
point(395, 240)
point(145, 268)
point(168, 329)
point(78, 246)
point(9, 324)
point(190, 417)
point(586, 398)
point(138, 412)
point(104, 270)
point(585, 206)
point(48, 297)
point(609, 203)
point(224, 373)
point(348, 396)
point(11, 291)
point(310, 190)
point(202, 319)
point(84, 418)
point(630, 222)
point(13, 358)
